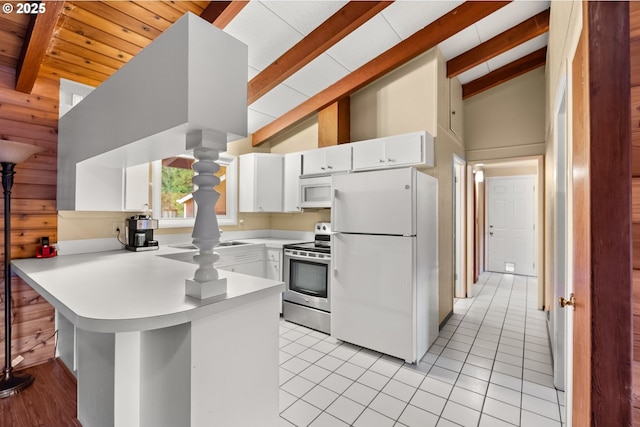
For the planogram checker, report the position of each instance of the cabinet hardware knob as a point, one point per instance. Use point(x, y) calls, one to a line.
point(390, 160)
point(381, 160)
point(571, 301)
point(453, 112)
point(322, 167)
point(329, 167)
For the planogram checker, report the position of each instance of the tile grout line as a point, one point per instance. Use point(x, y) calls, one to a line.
point(481, 291)
point(427, 373)
point(476, 315)
point(379, 357)
point(496, 353)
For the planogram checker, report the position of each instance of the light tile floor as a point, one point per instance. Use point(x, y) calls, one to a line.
point(491, 366)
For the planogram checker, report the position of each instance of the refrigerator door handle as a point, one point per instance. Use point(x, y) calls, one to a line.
point(334, 254)
point(333, 209)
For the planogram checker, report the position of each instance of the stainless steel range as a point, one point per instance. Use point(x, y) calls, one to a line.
point(307, 298)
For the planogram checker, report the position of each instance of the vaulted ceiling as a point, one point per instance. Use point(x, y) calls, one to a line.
point(303, 55)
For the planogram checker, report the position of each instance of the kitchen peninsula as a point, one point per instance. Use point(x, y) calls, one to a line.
point(147, 355)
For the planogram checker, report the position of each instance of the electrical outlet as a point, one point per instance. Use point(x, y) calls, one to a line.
point(117, 225)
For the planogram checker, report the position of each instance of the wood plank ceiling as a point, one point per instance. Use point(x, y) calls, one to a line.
point(303, 56)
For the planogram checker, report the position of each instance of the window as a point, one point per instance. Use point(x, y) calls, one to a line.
point(173, 202)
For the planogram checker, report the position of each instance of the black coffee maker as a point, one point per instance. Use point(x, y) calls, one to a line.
point(140, 233)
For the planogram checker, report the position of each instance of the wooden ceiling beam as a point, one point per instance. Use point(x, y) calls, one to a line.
point(525, 31)
point(338, 26)
point(334, 123)
point(37, 40)
point(220, 13)
point(506, 73)
point(441, 29)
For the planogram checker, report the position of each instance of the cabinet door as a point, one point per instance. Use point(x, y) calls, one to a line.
point(254, 268)
point(314, 162)
point(338, 158)
point(136, 187)
point(403, 150)
point(261, 182)
point(273, 270)
point(455, 116)
point(292, 170)
point(368, 154)
point(269, 183)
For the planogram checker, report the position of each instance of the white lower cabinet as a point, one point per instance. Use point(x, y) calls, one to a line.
point(274, 267)
point(254, 268)
point(243, 259)
point(273, 270)
point(253, 260)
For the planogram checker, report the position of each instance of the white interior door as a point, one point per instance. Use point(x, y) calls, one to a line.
point(511, 225)
point(559, 318)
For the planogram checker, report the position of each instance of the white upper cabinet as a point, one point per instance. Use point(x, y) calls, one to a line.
point(455, 115)
point(261, 182)
point(314, 162)
point(368, 154)
point(404, 150)
point(292, 171)
point(411, 149)
point(112, 189)
point(136, 188)
point(327, 160)
point(338, 158)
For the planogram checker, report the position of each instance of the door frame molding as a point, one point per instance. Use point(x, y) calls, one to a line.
point(459, 229)
point(602, 392)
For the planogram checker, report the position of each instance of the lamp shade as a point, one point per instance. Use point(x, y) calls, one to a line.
point(16, 152)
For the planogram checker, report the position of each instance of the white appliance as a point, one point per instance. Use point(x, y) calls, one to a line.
point(315, 192)
point(307, 296)
point(384, 280)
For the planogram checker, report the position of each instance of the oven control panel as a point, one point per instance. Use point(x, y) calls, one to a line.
point(307, 254)
point(323, 228)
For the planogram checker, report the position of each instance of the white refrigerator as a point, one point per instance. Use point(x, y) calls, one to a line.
point(384, 279)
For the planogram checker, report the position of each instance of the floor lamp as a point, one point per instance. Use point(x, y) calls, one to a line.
point(10, 153)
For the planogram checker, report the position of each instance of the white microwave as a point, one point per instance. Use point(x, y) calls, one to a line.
point(315, 192)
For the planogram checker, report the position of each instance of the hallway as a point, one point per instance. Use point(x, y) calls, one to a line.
point(490, 367)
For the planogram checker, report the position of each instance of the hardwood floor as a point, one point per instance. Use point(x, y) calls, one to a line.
point(49, 402)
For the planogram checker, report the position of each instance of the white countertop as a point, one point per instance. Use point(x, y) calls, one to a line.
point(121, 291)
point(272, 242)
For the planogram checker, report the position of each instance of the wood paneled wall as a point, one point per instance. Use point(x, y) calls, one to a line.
point(634, 27)
point(31, 119)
